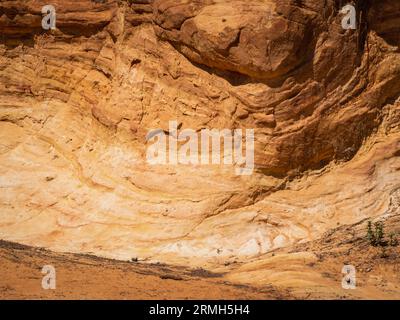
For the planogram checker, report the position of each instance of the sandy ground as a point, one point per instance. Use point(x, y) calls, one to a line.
point(90, 277)
point(307, 271)
point(313, 270)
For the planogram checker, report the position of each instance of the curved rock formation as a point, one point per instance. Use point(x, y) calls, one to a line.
point(76, 104)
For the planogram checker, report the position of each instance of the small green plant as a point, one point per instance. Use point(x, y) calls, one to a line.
point(375, 235)
point(393, 240)
point(379, 232)
point(370, 234)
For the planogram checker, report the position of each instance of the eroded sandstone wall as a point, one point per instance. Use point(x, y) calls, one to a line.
point(76, 104)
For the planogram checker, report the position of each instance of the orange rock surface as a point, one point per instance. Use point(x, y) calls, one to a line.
point(76, 104)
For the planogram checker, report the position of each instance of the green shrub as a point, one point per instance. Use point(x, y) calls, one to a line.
point(379, 233)
point(370, 234)
point(393, 240)
point(376, 235)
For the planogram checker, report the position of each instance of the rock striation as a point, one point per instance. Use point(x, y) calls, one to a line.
point(77, 102)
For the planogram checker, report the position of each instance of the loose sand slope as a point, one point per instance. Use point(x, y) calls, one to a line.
point(308, 271)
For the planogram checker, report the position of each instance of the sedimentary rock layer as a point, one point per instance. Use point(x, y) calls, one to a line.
point(76, 104)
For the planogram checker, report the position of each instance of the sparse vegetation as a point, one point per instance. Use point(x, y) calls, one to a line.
point(393, 241)
point(370, 234)
point(379, 233)
point(376, 235)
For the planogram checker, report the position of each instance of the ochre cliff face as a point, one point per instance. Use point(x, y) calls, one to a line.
point(294, 70)
point(76, 104)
